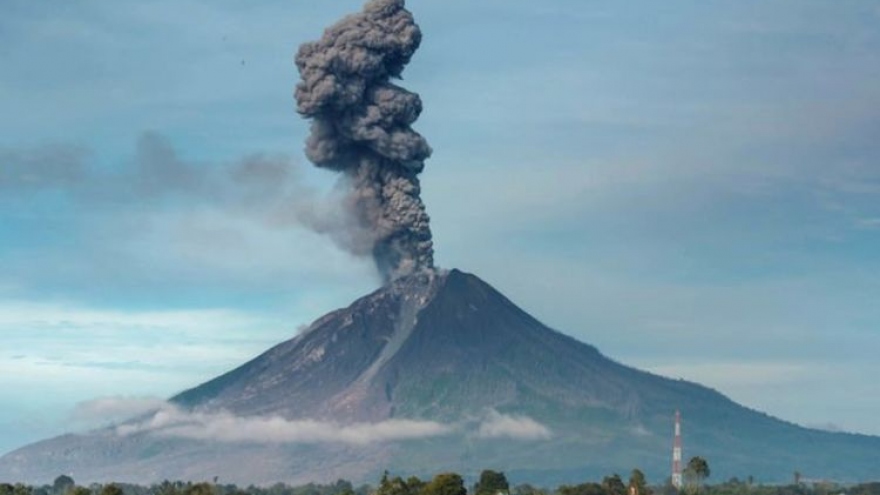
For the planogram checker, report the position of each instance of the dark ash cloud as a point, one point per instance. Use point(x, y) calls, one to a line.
point(41, 167)
point(361, 126)
point(264, 188)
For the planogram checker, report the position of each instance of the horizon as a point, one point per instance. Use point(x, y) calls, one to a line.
point(690, 189)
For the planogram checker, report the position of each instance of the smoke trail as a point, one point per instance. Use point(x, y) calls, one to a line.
point(361, 127)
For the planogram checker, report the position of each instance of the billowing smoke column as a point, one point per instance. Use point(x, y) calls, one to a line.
point(361, 127)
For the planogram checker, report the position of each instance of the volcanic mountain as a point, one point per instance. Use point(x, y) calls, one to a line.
point(440, 372)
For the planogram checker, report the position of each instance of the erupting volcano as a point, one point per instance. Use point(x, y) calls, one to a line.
point(434, 371)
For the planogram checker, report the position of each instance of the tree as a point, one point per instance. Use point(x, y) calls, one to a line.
point(111, 489)
point(491, 483)
point(637, 483)
point(699, 467)
point(397, 486)
point(445, 484)
point(613, 485)
point(588, 488)
point(695, 473)
point(341, 487)
point(527, 489)
point(166, 488)
point(199, 489)
point(414, 485)
point(62, 484)
point(869, 488)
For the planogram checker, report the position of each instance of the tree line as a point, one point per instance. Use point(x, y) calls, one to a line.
point(490, 482)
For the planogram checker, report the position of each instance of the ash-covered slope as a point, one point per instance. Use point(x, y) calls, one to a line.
point(329, 370)
point(426, 347)
point(502, 390)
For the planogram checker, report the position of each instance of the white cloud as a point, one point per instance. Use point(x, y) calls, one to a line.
point(70, 336)
point(222, 426)
point(226, 427)
point(107, 410)
point(498, 425)
point(56, 355)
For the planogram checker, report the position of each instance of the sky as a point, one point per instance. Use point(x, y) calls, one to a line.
point(692, 187)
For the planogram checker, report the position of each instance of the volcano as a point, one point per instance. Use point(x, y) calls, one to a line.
point(487, 385)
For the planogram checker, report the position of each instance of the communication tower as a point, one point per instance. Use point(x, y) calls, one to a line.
point(676, 453)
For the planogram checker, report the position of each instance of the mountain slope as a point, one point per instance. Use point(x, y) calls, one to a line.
point(450, 350)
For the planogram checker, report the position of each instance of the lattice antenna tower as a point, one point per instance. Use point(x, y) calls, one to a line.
point(676, 453)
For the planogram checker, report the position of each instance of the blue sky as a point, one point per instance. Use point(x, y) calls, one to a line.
point(690, 186)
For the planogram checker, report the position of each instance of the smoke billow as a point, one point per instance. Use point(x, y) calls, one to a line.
point(45, 167)
point(361, 127)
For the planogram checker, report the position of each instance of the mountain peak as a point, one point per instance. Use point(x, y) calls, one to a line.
point(358, 354)
point(447, 350)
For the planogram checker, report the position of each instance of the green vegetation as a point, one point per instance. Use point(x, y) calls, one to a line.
point(695, 473)
point(62, 485)
point(638, 485)
point(613, 485)
point(397, 486)
point(445, 484)
point(490, 483)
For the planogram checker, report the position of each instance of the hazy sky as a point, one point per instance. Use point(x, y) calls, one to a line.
point(693, 187)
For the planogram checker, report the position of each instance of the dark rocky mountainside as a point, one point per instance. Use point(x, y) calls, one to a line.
point(501, 390)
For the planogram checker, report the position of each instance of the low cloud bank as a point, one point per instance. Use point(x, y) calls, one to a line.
point(171, 421)
point(225, 427)
point(109, 410)
point(498, 425)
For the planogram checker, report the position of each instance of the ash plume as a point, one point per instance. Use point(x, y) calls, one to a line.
point(361, 128)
